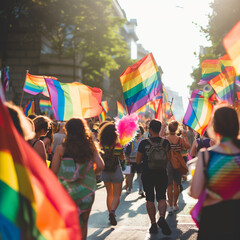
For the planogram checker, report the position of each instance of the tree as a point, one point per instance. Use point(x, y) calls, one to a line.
point(74, 27)
point(224, 16)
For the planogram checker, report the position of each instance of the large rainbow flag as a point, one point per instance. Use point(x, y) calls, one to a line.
point(105, 106)
point(198, 114)
point(102, 116)
point(231, 43)
point(120, 110)
point(73, 100)
point(36, 84)
point(29, 108)
point(33, 204)
point(140, 83)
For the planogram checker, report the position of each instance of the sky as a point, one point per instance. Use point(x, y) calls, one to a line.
point(168, 29)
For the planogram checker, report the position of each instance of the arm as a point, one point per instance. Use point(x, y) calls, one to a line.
point(40, 149)
point(185, 142)
point(99, 161)
point(139, 157)
point(194, 149)
point(162, 131)
point(198, 181)
point(57, 158)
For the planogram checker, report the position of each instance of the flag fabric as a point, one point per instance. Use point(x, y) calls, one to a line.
point(36, 84)
point(210, 69)
point(198, 114)
point(43, 104)
point(29, 108)
point(102, 116)
point(5, 78)
point(120, 109)
point(142, 110)
point(237, 88)
point(105, 106)
point(231, 43)
point(159, 114)
point(73, 100)
point(169, 112)
point(152, 107)
point(34, 205)
point(140, 83)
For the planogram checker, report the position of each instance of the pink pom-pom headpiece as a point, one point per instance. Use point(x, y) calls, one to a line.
point(127, 128)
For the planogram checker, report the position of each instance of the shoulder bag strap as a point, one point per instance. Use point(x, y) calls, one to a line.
point(205, 168)
point(150, 141)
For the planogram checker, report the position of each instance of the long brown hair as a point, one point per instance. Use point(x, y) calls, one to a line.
point(78, 143)
point(225, 122)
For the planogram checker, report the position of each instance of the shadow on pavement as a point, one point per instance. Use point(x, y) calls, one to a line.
point(99, 235)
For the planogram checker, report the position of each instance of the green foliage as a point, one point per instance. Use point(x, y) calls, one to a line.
point(224, 16)
point(87, 29)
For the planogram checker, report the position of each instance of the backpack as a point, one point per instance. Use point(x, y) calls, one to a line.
point(157, 156)
point(177, 160)
point(111, 161)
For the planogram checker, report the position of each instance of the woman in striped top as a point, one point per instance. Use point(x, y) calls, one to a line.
point(218, 170)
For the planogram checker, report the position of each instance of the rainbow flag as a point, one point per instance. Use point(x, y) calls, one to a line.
point(198, 114)
point(152, 107)
point(210, 69)
point(140, 83)
point(159, 114)
point(120, 109)
point(142, 110)
point(73, 100)
point(231, 43)
point(44, 103)
point(36, 84)
point(102, 116)
point(29, 108)
point(33, 204)
point(169, 112)
point(105, 106)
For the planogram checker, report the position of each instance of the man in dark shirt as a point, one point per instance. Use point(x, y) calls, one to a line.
point(154, 181)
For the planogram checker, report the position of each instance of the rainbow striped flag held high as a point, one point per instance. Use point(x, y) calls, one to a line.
point(198, 114)
point(29, 108)
point(105, 106)
point(44, 104)
point(231, 43)
point(121, 111)
point(36, 84)
point(140, 83)
point(33, 204)
point(73, 100)
point(102, 116)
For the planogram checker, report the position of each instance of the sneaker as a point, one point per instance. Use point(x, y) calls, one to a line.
point(129, 190)
point(170, 210)
point(175, 208)
point(164, 226)
point(112, 219)
point(153, 228)
point(141, 193)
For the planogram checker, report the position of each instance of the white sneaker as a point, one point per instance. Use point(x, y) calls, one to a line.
point(170, 210)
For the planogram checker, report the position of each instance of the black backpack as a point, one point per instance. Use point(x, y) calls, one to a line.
point(157, 156)
point(111, 161)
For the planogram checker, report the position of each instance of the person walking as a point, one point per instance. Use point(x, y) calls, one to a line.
point(174, 176)
point(154, 175)
point(112, 175)
point(131, 153)
point(217, 177)
point(73, 163)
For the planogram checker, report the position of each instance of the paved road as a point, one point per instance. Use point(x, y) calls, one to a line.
point(133, 221)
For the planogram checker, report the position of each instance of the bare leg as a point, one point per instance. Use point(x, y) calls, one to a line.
point(139, 181)
point(170, 195)
point(151, 210)
point(84, 227)
point(117, 190)
point(131, 176)
point(176, 193)
point(162, 207)
point(109, 188)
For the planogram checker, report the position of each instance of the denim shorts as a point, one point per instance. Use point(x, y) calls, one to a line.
point(115, 177)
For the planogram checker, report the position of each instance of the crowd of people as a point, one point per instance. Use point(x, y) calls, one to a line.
point(83, 152)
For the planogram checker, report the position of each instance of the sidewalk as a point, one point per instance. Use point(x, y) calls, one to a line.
point(133, 221)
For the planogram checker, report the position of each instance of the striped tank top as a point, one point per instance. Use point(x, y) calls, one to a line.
point(224, 174)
